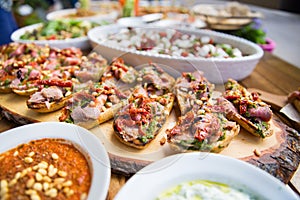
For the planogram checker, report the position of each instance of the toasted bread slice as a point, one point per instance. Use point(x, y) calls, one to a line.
point(26, 92)
point(91, 123)
point(48, 99)
point(155, 79)
point(209, 132)
point(5, 90)
point(294, 98)
point(251, 113)
point(192, 91)
point(138, 123)
point(92, 106)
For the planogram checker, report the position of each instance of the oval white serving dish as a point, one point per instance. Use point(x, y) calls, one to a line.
point(217, 70)
point(81, 42)
point(168, 172)
point(85, 141)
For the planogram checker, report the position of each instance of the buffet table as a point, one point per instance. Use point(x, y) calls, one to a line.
point(272, 75)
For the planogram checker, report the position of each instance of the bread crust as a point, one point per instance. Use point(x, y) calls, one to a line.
point(43, 108)
point(5, 90)
point(136, 143)
point(192, 91)
point(26, 92)
point(240, 95)
point(214, 147)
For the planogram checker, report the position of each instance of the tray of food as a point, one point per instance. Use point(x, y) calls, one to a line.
point(141, 114)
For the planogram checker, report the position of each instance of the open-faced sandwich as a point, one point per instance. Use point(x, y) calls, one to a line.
point(22, 66)
point(51, 97)
point(91, 68)
point(140, 121)
point(202, 125)
point(208, 130)
point(25, 83)
point(92, 105)
point(192, 91)
point(252, 114)
point(294, 98)
point(119, 74)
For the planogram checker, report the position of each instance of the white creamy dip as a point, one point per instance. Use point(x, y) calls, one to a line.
point(203, 190)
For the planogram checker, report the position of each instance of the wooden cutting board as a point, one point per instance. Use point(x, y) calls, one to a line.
point(278, 154)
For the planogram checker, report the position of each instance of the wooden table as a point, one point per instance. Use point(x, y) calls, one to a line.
point(271, 74)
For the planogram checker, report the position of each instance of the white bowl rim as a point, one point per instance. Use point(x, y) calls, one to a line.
point(15, 36)
point(183, 167)
point(97, 153)
point(51, 15)
point(259, 51)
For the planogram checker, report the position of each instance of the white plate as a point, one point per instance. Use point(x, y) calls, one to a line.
point(81, 42)
point(128, 21)
point(161, 175)
point(80, 137)
point(63, 14)
point(217, 70)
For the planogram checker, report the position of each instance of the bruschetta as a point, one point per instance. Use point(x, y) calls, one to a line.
point(138, 123)
point(119, 74)
point(252, 114)
point(150, 103)
point(206, 130)
point(93, 105)
point(51, 97)
point(192, 91)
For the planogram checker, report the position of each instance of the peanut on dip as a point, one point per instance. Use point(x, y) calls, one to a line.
point(44, 169)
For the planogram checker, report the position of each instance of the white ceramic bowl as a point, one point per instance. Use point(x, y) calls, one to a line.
point(217, 70)
point(63, 14)
point(86, 142)
point(168, 172)
point(81, 42)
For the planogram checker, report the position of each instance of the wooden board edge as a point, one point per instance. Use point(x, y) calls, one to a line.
point(15, 117)
point(283, 162)
point(126, 166)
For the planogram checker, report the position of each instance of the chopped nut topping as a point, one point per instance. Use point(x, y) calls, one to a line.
point(45, 186)
point(59, 180)
point(62, 173)
point(17, 175)
point(30, 183)
point(28, 159)
point(38, 186)
point(47, 179)
point(30, 192)
point(31, 154)
point(43, 165)
point(54, 156)
point(42, 171)
point(257, 152)
point(16, 153)
point(12, 182)
point(38, 176)
point(52, 170)
point(51, 193)
point(70, 193)
point(67, 183)
point(83, 196)
point(3, 183)
point(35, 197)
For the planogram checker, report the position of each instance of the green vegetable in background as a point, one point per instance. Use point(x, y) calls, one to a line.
point(60, 29)
point(252, 32)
